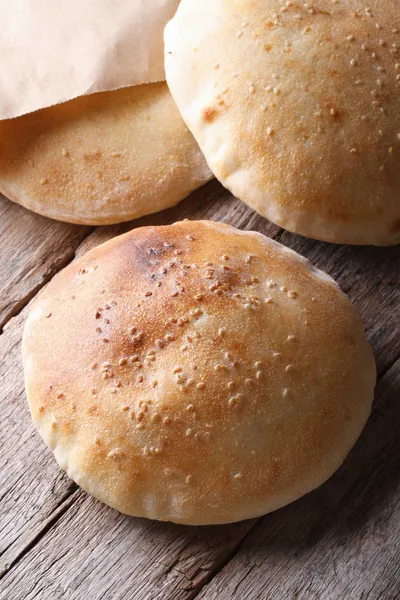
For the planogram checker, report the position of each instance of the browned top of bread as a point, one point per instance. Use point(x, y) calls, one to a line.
point(102, 158)
point(196, 373)
point(296, 108)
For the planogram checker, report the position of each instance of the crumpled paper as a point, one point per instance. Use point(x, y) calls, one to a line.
point(55, 50)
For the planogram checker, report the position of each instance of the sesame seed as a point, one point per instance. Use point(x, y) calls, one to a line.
point(234, 401)
point(43, 181)
point(189, 432)
point(167, 420)
point(189, 479)
point(237, 476)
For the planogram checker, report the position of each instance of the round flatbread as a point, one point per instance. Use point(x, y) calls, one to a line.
point(103, 158)
point(197, 374)
point(296, 108)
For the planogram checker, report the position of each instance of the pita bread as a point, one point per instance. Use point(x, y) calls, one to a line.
point(103, 158)
point(296, 109)
point(197, 374)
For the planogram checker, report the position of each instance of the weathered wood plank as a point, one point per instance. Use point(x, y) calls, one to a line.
point(32, 250)
point(112, 556)
point(338, 542)
point(341, 541)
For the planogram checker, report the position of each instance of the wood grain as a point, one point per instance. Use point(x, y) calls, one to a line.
point(32, 250)
point(59, 543)
point(112, 556)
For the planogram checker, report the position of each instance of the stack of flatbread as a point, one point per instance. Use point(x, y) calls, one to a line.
point(295, 107)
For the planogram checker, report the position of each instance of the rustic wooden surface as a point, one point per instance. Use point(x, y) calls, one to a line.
point(340, 542)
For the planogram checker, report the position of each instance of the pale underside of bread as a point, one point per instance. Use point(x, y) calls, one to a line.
point(196, 374)
point(102, 158)
point(296, 108)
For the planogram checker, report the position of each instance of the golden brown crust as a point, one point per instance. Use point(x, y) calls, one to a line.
point(196, 373)
point(102, 158)
point(305, 109)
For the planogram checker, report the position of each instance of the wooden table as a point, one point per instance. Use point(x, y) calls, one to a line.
point(340, 542)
